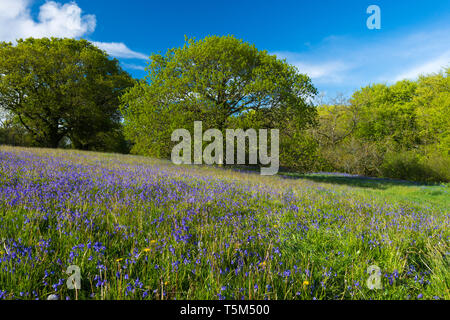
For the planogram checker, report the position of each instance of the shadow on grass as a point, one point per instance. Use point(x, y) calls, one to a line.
point(336, 178)
point(354, 180)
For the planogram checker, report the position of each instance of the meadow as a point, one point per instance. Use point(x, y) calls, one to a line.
point(141, 228)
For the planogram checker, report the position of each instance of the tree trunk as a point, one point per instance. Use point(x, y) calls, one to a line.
point(54, 138)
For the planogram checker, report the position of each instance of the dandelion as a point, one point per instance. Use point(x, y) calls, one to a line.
point(147, 250)
point(306, 283)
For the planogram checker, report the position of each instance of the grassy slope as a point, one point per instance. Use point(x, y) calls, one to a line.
point(404, 192)
point(291, 237)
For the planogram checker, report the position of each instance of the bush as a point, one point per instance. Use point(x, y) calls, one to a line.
point(298, 153)
point(352, 156)
point(411, 165)
point(439, 164)
point(16, 136)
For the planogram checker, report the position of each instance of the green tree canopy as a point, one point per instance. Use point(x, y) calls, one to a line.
point(62, 88)
point(387, 113)
point(214, 80)
point(433, 110)
point(399, 130)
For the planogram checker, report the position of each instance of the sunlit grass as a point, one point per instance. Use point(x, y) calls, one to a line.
point(142, 228)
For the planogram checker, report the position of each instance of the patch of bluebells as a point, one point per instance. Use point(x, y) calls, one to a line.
point(250, 229)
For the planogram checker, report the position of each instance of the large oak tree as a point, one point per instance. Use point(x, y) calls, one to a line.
point(214, 80)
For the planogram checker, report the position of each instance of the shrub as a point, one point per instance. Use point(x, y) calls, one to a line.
point(411, 165)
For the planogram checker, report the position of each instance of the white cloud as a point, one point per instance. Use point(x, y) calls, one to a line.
point(323, 70)
point(346, 63)
point(120, 50)
point(434, 65)
point(329, 71)
point(54, 20)
point(133, 66)
point(12, 8)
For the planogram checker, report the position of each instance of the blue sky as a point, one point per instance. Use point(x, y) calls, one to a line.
point(326, 39)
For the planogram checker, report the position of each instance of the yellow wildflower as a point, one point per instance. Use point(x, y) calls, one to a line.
point(147, 249)
point(306, 282)
point(118, 260)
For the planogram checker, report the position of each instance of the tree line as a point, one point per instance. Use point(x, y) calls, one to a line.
point(398, 131)
point(67, 93)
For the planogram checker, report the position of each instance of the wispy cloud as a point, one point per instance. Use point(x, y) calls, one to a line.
point(328, 71)
point(133, 66)
point(342, 63)
point(120, 50)
point(432, 66)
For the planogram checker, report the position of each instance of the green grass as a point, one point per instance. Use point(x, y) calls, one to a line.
point(143, 228)
point(388, 190)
